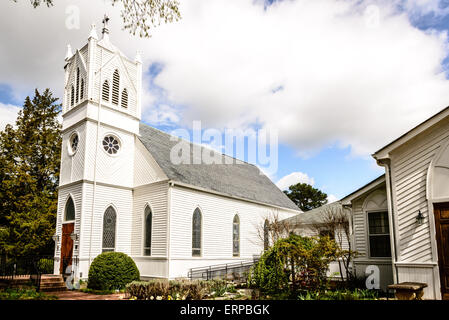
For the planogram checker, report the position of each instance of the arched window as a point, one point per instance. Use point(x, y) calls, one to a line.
point(72, 96)
point(77, 83)
point(109, 220)
point(236, 236)
point(148, 225)
point(196, 233)
point(105, 91)
point(82, 90)
point(69, 213)
point(115, 87)
point(124, 98)
point(265, 234)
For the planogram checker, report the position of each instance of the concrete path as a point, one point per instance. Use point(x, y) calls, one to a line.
point(77, 295)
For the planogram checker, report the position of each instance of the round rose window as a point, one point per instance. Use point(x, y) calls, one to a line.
point(111, 144)
point(73, 143)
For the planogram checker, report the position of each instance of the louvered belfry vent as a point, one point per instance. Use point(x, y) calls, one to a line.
point(72, 96)
point(77, 84)
point(115, 87)
point(105, 91)
point(82, 90)
point(124, 98)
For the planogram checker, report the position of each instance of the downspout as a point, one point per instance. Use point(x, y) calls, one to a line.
point(170, 186)
point(95, 159)
point(387, 164)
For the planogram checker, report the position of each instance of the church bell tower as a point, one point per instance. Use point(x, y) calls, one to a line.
point(101, 114)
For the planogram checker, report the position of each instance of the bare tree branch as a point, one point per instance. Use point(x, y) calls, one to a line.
point(335, 221)
point(139, 16)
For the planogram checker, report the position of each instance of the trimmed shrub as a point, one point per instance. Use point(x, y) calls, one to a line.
point(112, 271)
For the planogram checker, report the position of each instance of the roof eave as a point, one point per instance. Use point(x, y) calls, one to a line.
point(361, 191)
point(190, 186)
point(384, 152)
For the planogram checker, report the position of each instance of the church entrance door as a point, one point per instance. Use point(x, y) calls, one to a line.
point(66, 247)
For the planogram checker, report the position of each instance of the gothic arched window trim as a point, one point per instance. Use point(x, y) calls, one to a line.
point(109, 229)
point(236, 236)
point(115, 87)
point(69, 209)
point(147, 230)
point(266, 233)
point(197, 227)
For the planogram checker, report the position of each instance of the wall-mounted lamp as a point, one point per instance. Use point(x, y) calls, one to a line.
point(74, 236)
point(55, 238)
point(420, 217)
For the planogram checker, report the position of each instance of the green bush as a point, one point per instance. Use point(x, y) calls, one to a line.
point(112, 271)
point(356, 294)
point(24, 294)
point(301, 261)
point(45, 266)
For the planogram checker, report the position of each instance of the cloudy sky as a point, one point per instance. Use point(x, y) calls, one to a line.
point(335, 79)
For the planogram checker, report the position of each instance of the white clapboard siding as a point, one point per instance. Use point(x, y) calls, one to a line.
point(375, 200)
point(410, 164)
point(72, 166)
point(121, 200)
point(75, 192)
point(359, 228)
point(116, 169)
point(146, 170)
point(154, 195)
point(217, 216)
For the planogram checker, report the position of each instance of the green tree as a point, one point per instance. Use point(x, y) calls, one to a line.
point(306, 197)
point(294, 263)
point(139, 16)
point(29, 175)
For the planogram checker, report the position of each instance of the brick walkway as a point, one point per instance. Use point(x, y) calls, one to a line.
point(77, 295)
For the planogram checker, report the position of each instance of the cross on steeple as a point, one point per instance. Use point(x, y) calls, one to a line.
point(105, 24)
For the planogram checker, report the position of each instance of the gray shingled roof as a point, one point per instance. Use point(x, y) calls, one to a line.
point(239, 179)
point(312, 217)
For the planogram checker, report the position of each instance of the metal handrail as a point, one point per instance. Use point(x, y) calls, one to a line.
point(220, 270)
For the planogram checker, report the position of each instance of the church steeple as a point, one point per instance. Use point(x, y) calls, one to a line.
point(101, 74)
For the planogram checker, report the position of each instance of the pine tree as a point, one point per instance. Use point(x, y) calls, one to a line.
point(306, 197)
point(29, 174)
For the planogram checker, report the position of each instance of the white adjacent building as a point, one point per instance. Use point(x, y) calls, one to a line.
point(400, 221)
point(119, 191)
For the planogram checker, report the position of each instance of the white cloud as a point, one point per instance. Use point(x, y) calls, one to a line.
point(161, 115)
point(8, 115)
point(424, 7)
point(320, 72)
point(294, 178)
point(331, 198)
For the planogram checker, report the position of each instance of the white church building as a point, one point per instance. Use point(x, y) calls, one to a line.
point(119, 190)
